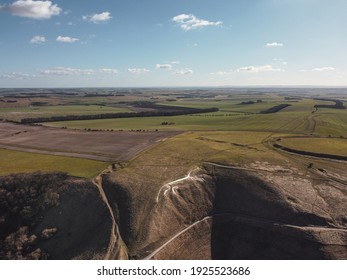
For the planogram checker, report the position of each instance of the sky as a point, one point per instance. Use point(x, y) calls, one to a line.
point(169, 43)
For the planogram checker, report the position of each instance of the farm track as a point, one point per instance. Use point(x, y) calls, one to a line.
point(156, 251)
point(312, 124)
point(252, 220)
point(244, 168)
point(115, 249)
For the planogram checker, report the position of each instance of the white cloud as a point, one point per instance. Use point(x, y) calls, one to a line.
point(181, 17)
point(108, 71)
point(66, 39)
point(38, 40)
point(274, 44)
point(185, 71)
point(33, 9)
point(65, 71)
point(138, 70)
point(321, 69)
point(189, 22)
point(16, 76)
point(175, 62)
point(97, 18)
point(257, 69)
point(164, 66)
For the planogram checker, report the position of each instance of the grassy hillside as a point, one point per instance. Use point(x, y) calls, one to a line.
point(173, 158)
point(22, 162)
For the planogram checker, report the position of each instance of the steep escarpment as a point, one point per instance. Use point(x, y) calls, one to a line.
point(274, 215)
point(256, 211)
point(226, 212)
point(180, 204)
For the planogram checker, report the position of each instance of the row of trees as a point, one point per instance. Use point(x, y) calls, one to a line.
point(275, 109)
point(185, 111)
point(338, 104)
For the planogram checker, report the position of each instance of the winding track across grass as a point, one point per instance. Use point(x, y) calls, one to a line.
point(114, 248)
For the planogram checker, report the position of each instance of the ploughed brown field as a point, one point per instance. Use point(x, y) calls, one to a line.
point(97, 145)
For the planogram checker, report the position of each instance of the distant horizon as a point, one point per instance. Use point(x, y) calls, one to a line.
point(186, 87)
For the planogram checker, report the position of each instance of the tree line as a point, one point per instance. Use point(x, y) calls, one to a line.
point(338, 104)
point(186, 111)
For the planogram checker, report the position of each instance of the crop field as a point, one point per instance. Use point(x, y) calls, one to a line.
point(19, 113)
point(104, 146)
point(23, 162)
point(288, 120)
point(233, 134)
point(333, 146)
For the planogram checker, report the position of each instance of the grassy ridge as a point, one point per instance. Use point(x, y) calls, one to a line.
point(175, 157)
point(172, 158)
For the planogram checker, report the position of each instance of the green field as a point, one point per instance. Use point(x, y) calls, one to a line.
point(233, 135)
point(329, 123)
point(18, 113)
point(23, 162)
point(333, 146)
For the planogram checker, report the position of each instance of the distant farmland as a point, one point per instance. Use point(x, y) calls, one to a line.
point(104, 146)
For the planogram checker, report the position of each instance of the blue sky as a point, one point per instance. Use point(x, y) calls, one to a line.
point(79, 43)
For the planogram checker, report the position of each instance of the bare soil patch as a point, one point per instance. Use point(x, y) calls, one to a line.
point(98, 145)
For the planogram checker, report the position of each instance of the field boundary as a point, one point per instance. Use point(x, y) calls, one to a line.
point(306, 153)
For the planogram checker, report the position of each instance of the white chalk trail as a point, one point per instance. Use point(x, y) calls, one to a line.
point(170, 186)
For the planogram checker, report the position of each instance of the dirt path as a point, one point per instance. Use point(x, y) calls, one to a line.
point(248, 168)
point(150, 256)
point(327, 231)
point(312, 123)
point(115, 244)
